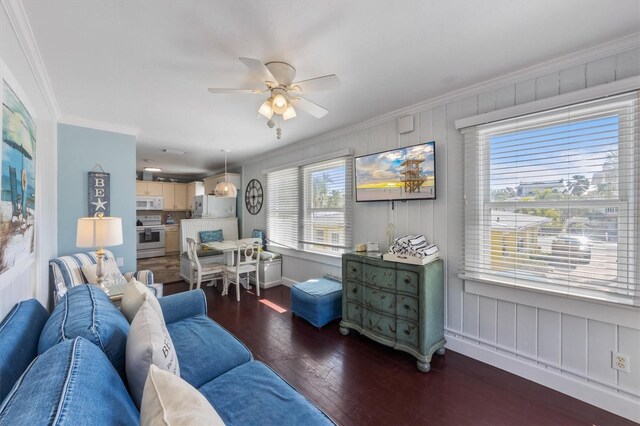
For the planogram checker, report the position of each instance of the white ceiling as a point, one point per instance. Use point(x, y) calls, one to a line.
point(147, 65)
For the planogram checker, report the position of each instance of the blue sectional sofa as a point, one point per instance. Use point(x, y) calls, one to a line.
point(67, 368)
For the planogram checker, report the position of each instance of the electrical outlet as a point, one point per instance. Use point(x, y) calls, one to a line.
point(119, 261)
point(620, 361)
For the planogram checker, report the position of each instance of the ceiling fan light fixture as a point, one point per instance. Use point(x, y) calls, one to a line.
point(265, 109)
point(289, 112)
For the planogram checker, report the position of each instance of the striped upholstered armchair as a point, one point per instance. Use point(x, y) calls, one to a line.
point(66, 272)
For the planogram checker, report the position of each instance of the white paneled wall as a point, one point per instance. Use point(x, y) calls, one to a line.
point(30, 278)
point(570, 349)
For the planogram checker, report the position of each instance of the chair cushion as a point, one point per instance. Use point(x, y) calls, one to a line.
point(266, 256)
point(73, 383)
point(160, 405)
point(19, 335)
point(86, 311)
point(205, 349)
point(233, 395)
point(211, 236)
point(149, 343)
point(319, 301)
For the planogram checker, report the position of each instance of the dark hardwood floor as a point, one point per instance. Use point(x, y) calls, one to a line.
point(359, 382)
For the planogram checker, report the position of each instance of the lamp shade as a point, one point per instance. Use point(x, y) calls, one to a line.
point(99, 232)
point(279, 104)
point(225, 189)
point(265, 109)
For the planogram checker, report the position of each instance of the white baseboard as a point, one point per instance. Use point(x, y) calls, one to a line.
point(288, 282)
point(589, 392)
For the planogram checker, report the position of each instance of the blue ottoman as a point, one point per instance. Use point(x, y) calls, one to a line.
point(318, 300)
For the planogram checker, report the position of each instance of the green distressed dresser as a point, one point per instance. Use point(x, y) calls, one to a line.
point(396, 304)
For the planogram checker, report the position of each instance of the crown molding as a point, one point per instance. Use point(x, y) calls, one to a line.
point(590, 54)
point(98, 125)
point(20, 24)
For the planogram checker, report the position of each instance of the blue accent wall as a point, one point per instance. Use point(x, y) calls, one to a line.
point(79, 150)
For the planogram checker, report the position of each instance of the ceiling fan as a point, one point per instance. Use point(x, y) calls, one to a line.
point(283, 92)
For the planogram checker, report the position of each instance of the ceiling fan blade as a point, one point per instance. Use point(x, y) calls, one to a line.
point(238, 91)
point(309, 107)
point(260, 71)
point(316, 84)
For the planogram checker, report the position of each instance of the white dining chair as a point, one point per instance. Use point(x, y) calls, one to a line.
point(210, 271)
point(244, 263)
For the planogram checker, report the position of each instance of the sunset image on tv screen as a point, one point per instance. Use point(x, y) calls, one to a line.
point(400, 174)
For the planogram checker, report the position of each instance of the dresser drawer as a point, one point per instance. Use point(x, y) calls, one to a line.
point(407, 307)
point(354, 312)
point(407, 282)
point(379, 324)
point(380, 277)
point(354, 271)
point(408, 333)
point(353, 291)
point(379, 300)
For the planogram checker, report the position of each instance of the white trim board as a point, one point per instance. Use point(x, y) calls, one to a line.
point(98, 125)
point(608, 400)
point(21, 27)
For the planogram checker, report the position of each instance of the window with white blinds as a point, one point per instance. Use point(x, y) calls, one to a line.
point(309, 207)
point(551, 200)
point(326, 216)
point(282, 207)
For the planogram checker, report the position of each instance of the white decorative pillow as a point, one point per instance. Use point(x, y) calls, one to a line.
point(112, 274)
point(148, 343)
point(169, 400)
point(133, 298)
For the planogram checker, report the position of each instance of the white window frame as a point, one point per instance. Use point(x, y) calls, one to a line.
point(628, 201)
point(302, 249)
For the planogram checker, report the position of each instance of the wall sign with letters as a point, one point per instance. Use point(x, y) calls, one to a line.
point(99, 194)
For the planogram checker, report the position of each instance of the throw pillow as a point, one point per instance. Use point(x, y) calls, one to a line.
point(169, 400)
point(133, 298)
point(211, 236)
point(112, 274)
point(148, 343)
point(258, 233)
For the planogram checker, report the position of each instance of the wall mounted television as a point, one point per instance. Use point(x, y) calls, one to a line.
point(400, 174)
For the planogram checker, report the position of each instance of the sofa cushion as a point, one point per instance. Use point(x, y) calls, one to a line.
point(205, 349)
point(149, 343)
point(19, 335)
point(211, 236)
point(133, 298)
point(73, 383)
point(160, 405)
point(233, 395)
point(86, 311)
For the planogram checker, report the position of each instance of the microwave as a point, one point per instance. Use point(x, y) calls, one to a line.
point(149, 203)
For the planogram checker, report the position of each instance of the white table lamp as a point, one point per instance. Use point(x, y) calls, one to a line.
point(99, 232)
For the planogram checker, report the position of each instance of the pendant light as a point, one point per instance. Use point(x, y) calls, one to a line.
point(225, 188)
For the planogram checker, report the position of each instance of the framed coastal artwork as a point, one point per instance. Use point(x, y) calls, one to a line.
point(17, 174)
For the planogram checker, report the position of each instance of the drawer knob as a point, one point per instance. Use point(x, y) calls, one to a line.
point(355, 290)
point(406, 307)
point(407, 280)
point(353, 269)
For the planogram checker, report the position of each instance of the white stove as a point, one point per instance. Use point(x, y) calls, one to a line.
point(150, 236)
